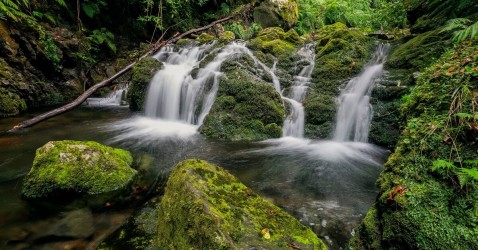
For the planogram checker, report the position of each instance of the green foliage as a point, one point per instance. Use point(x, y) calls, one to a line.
point(12, 9)
point(49, 48)
point(241, 30)
point(103, 37)
point(91, 8)
point(363, 14)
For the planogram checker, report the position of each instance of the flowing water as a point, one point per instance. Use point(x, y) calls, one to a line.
point(294, 122)
point(355, 112)
point(327, 185)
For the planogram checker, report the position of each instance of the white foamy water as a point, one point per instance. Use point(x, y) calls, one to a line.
point(355, 112)
point(294, 122)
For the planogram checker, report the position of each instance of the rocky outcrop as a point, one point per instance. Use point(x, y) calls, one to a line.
point(143, 71)
point(85, 168)
point(276, 13)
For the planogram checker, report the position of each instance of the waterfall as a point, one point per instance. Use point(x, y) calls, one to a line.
point(177, 94)
point(355, 112)
point(294, 122)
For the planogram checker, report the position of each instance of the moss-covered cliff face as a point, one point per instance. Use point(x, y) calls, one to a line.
point(66, 167)
point(205, 207)
point(341, 54)
point(428, 195)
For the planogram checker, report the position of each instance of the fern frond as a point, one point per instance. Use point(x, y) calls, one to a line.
point(469, 32)
point(442, 165)
point(471, 172)
point(473, 162)
point(61, 3)
point(457, 23)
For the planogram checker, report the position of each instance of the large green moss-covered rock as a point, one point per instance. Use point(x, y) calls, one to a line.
point(143, 71)
point(428, 190)
point(341, 55)
point(205, 207)
point(78, 167)
point(276, 41)
point(246, 108)
point(277, 13)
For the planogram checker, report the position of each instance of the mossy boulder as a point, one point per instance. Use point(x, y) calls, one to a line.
point(89, 168)
point(341, 54)
point(246, 108)
point(205, 38)
point(10, 103)
point(276, 42)
point(277, 13)
point(227, 36)
point(143, 72)
point(205, 207)
point(428, 190)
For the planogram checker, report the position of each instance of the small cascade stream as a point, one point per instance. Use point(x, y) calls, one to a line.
point(355, 112)
point(294, 122)
point(115, 98)
point(327, 185)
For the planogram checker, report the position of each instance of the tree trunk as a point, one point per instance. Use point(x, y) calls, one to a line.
point(80, 99)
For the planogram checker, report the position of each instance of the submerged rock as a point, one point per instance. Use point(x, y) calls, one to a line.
point(205, 207)
point(143, 71)
point(65, 167)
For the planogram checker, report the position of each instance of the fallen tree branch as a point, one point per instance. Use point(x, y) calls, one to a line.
point(80, 99)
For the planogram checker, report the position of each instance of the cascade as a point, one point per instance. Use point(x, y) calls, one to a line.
point(175, 95)
point(294, 122)
point(355, 112)
point(116, 97)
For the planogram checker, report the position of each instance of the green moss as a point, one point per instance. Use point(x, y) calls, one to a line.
point(80, 167)
point(10, 103)
point(227, 36)
point(205, 207)
point(435, 211)
point(205, 38)
point(246, 108)
point(143, 71)
point(420, 51)
point(276, 42)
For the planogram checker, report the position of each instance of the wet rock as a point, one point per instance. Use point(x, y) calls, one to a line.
point(66, 167)
point(143, 71)
point(246, 108)
point(205, 207)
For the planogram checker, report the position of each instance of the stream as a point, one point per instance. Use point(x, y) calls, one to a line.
point(327, 185)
